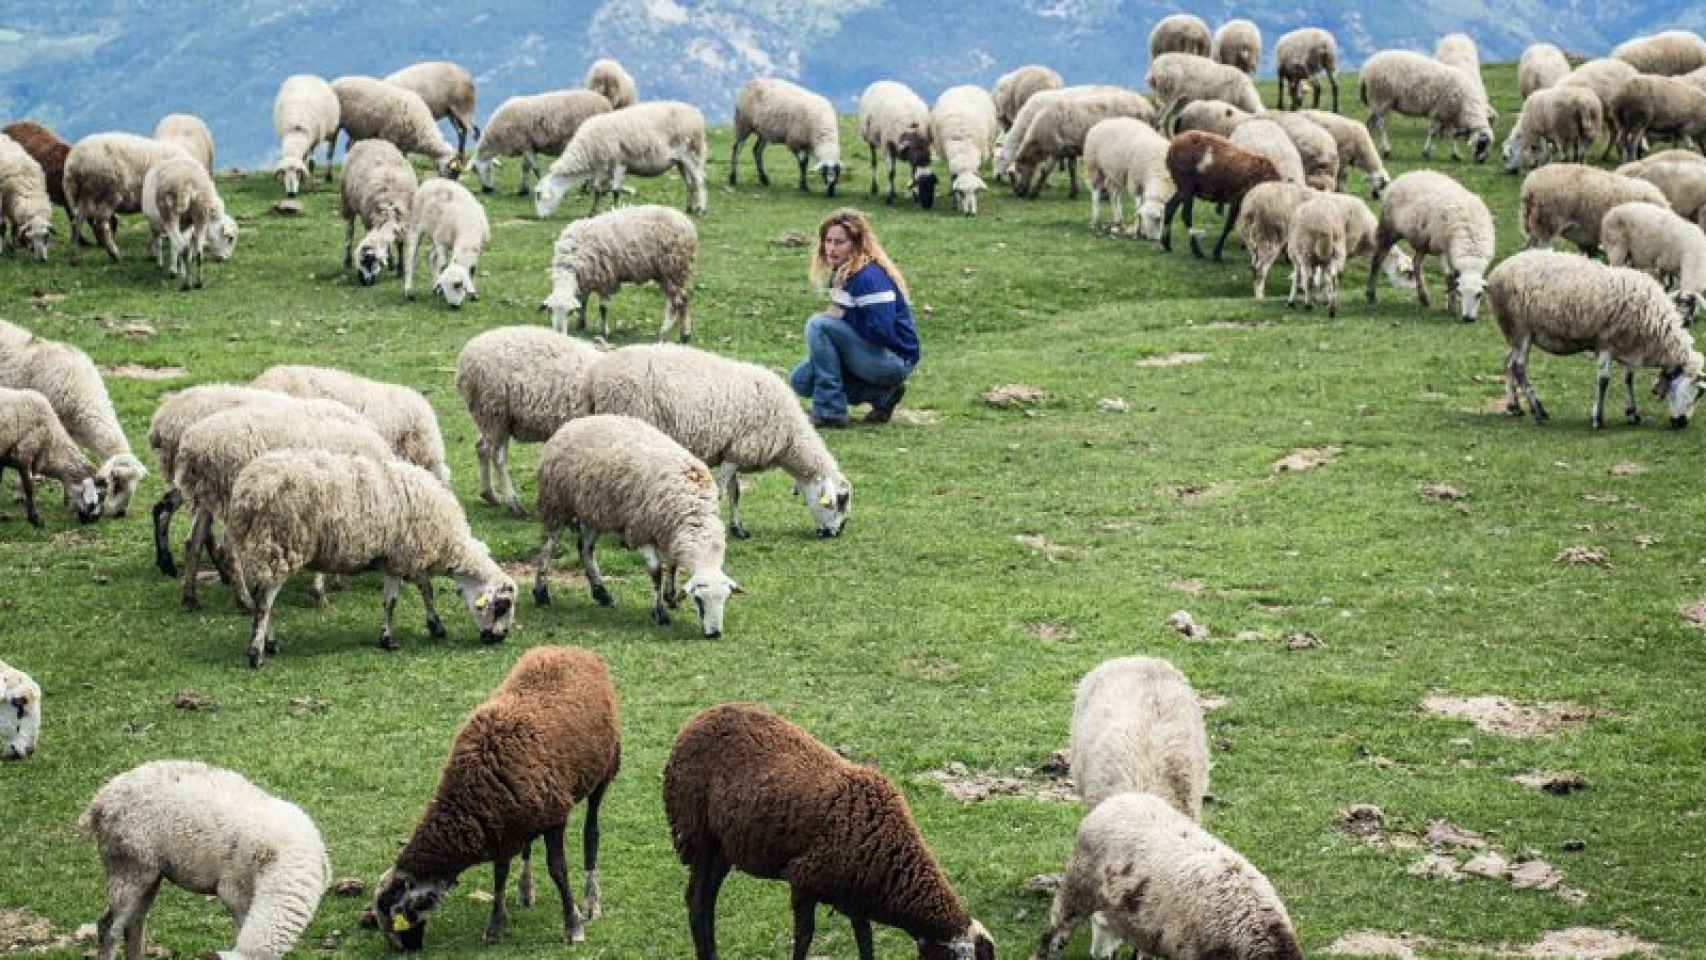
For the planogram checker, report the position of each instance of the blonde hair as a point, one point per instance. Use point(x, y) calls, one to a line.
point(866, 250)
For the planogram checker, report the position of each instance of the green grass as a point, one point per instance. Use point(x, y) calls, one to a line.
point(906, 641)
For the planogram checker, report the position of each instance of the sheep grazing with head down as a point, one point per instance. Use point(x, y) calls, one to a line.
point(1570, 200)
point(1055, 134)
point(1567, 304)
point(1565, 119)
point(190, 132)
point(1237, 43)
point(26, 213)
point(640, 244)
point(20, 713)
point(896, 121)
point(1434, 214)
point(547, 739)
point(1541, 66)
point(304, 115)
point(103, 178)
point(1217, 170)
point(1605, 77)
point(1317, 149)
point(1356, 149)
point(1264, 225)
point(33, 442)
point(1180, 33)
point(777, 111)
point(1123, 155)
point(1178, 79)
point(448, 91)
point(1407, 83)
point(1458, 50)
point(646, 140)
point(211, 832)
point(526, 126)
point(964, 128)
point(838, 833)
point(1652, 238)
point(608, 79)
point(371, 108)
point(456, 229)
point(1657, 105)
point(1298, 57)
point(1327, 232)
point(378, 187)
point(186, 218)
point(401, 414)
point(45, 147)
point(1017, 86)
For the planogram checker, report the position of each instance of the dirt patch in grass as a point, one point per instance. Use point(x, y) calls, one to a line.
point(1192, 585)
point(1441, 491)
point(42, 298)
point(1372, 943)
point(1052, 631)
point(1199, 492)
point(1694, 614)
point(1173, 360)
point(1627, 469)
point(1011, 395)
point(1588, 943)
point(961, 783)
point(1304, 459)
point(1558, 783)
point(1499, 716)
point(1054, 552)
point(135, 371)
point(523, 570)
point(917, 418)
point(790, 238)
point(1208, 702)
point(1444, 835)
point(193, 700)
point(1577, 943)
point(24, 932)
point(1187, 627)
point(1583, 556)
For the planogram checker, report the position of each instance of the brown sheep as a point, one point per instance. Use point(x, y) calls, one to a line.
point(48, 150)
point(546, 739)
point(745, 788)
point(1210, 166)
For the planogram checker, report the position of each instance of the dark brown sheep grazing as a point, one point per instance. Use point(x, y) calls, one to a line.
point(546, 739)
point(48, 150)
point(1209, 166)
point(745, 788)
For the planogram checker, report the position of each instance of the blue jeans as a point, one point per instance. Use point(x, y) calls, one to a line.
point(842, 368)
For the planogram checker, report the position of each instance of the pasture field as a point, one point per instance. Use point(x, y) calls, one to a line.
point(993, 557)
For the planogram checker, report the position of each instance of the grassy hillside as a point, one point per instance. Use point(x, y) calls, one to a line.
point(940, 628)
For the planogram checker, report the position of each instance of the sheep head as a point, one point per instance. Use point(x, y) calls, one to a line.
point(35, 235)
point(924, 188)
point(563, 300)
point(1680, 388)
point(548, 192)
point(220, 240)
point(489, 594)
point(119, 476)
point(831, 174)
point(710, 591)
point(483, 169)
point(373, 254)
point(830, 499)
point(20, 715)
point(1470, 286)
point(964, 190)
point(1687, 302)
point(974, 944)
point(401, 905)
point(455, 283)
point(291, 172)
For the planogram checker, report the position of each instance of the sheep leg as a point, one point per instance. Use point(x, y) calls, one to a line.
point(803, 157)
point(542, 572)
point(483, 453)
point(734, 156)
point(411, 250)
point(524, 883)
point(435, 626)
point(587, 540)
point(1629, 412)
point(1333, 79)
point(528, 166)
point(704, 880)
point(1064, 917)
point(128, 903)
point(192, 553)
point(1428, 143)
point(805, 923)
point(224, 560)
point(1513, 390)
point(499, 920)
point(1518, 368)
point(262, 639)
point(1421, 282)
point(1226, 227)
point(1095, 207)
point(349, 243)
point(892, 165)
point(317, 590)
point(1072, 177)
point(1602, 380)
point(873, 190)
point(1376, 123)
point(393, 586)
point(27, 485)
point(603, 315)
point(669, 595)
point(163, 510)
point(861, 937)
point(1178, 199)
point(1190, 226)
point(758, 146)
point(589, 853)
point(654, 569)
point(728, 477)
point(510, 497)
point(103, 227)
point(574, 931)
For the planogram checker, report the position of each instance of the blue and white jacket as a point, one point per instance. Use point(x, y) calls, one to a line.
point(874, 307)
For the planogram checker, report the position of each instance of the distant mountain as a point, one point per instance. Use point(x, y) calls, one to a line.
point(83, 66)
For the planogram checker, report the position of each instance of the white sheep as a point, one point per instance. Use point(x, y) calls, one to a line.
point(1635, 168)
point(370, 108)
point(964, 126)
point(1264, 224)
point(1317, 149)
point(379, 188)
point(103, 177)
point(896, 121)
point(1356, 149)
point(1179, 33)
point(1434, 214)
point(1015, 87)
point(73, 386)
point(1652, 238)
point(448, 91)
point(1123, 155)
point(1168, 887)
point(646, 139)
point(1569, 304)
point(640, 244)
point(776, 111)
point(525, 126)
point(1177, 79)
point(1566, 119)
point(33, 442)
point(737, 417)
point(401, 415)
point(1458, 50)
point(518, 383)
point(1327, 232)
point(457, 230)
point(615, 474)
point(1399, 81)
point(186, 218)
point(1658, 105)
point(190, 132)
point(20, 713)
point(1237, 43)
point(1541, 66)
point(1667, 54)
point(337, 513)
point(1055, 134)
point(304, 115)
point(608, 79)
point(1570, 199)
point(1298, 57)
point(1605, 77)
point(1214, 116)
point(26, 214)
point(1683, 184)
point(1269, 139)
point(211, 832)
point(1007, 144)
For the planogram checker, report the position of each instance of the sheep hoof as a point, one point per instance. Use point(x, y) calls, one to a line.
point(1514, 408)
point(190, 603)
point(739, 532)
point(167, 565)
point(602, 596)
point(1633, 418)
point(494, 934)
point(1332, 313)
point(271, 646)
point(1598, 423)
point(660, 616)
point(435, 629)
point(541, 596)
point(387, 642)
point(575, 934)
point(255, 660)
point(491, 498)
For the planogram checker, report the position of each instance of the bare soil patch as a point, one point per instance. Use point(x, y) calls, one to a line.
point(1372, 943)
point(917, 418)
point(134, 371)
point(1306, 458)
point(1187, 627)
point(963, 784)
point(1052, 631)
point(1192, 585)
point(522, 570)
point(1173, 360)
point(1627, 469)
point(1694, 614)
point(1588, 943)
point(1583, 556)
point(1558, 783)
point(1497, 715)
point(1048, 548)
point(1441, 491)
point(1010, 395)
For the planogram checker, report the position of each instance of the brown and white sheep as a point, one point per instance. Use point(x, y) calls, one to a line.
point(49, 151)
point(1214, 168)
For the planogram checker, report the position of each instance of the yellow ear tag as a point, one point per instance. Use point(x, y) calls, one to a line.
point(399, 923)
point(825, 501)
point(480, 604)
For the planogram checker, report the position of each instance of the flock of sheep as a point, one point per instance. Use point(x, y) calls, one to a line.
point(317, 469)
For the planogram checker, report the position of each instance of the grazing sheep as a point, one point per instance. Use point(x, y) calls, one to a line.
point(1567, 119)
point(448, 91)
point(190, 132)
point(304, 115)
point(607, 79)
point(1180, 33)
point(1399, 81)
point(401, 415)
point(20, 713)
point(103, 178)
point(1007, 145)
point(1316, 148)
point(342, 513)
point(1683, 184)
point(838, 833)
point(1570, 199)
point(1356, 149)
point(1434, 214)
point(1163, 884)
point(26, 213)
point(1541, 66)
point(518, 383)
point(1569, 304)
point(379, 187)
point(775, 110)
point(1215, 116)
point(1327, 232)
point(1056, 133)
point(547, 738)
point(1268, 139)
point(50, 152)
point(370, 108)
point(737, 417)
point(1237, 43)
point(524, 126)
point(895, 120)
point(1458, 50)
point(185, 211)
point(1663, 106)
point(455, 226)
point(1654, 159)
point(1177, 79)
point(596, 255)
point(1605, 77)
point(1667, 54)
point(1136, 725)
point(1652, 238)
point(72, 384)
point(646, 139)
point(1123, 155)
point(1298, 57)
point(614, 474)
point(964, 127)
point(33, 442)
point(1015, 87)
point(1217, 170)
point(211, 832)
point(1264, 225)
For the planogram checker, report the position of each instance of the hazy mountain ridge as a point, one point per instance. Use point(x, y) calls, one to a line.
point(83, 66)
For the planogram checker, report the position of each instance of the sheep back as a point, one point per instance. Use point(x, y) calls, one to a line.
point(541, 123)
point(1541, 66)
point(629, 245)
point(522, 382)
point(1569, 304)
point(401, 415)
point(370, 108)
point(1179, 33)
point(104, 171)
point(1666, 54)
point(1017, 86)
point(1570, 200)
point(1237, 43)
point(1136, 725)
point(608, 79)
point(784, 112)
point(1216, 169)
point(189, 132)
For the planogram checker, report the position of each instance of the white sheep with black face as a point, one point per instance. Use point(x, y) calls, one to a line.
point(20, 713)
